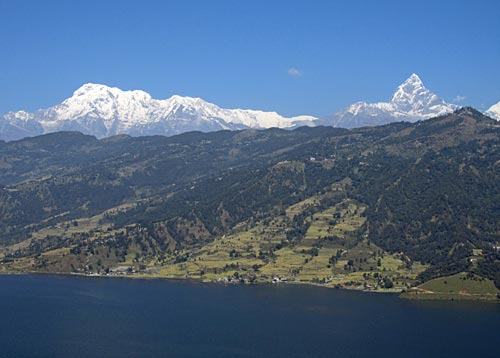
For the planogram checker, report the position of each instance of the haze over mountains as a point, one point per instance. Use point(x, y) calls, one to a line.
point(104, 111)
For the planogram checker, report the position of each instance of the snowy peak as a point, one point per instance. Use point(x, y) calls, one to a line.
point(409, 88)
point(411, 101)
point(95, 104)
point(96, 93)
point(494, 111)
point(408, 91)
point(96, 90)
point(415, 99)
point(187, 101)
point(104, 111)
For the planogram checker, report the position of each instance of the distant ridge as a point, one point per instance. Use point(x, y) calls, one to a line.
point(103, 111)
point(411, 102)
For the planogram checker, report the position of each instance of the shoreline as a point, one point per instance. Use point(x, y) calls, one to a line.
point(404, 294)
point(195, 280)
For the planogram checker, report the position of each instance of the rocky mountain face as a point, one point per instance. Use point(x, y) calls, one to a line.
point(411, 102)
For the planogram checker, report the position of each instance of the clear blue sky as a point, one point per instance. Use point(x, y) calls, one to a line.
point(242, 53)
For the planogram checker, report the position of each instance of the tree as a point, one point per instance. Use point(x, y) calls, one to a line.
point(388, 283)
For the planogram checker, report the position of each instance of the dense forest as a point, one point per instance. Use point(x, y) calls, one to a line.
point(426, 191)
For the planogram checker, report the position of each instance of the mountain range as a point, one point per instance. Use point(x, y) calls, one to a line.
point(104, 111)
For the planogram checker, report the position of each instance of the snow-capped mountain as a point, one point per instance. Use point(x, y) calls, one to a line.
point(411, 102)
point(104, 111)
point(494, 111)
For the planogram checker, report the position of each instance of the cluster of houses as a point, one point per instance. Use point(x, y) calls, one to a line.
point(240, 279)
point(278, 279)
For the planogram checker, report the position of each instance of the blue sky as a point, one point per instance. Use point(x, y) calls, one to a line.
point(294, 57)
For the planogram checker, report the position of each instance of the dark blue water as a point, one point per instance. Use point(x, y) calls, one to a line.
point(47, 316)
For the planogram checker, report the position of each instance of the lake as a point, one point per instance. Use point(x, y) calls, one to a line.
point(60, 316)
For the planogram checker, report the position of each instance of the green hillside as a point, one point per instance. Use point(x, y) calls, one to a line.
point(381, 208)
point(462, 286)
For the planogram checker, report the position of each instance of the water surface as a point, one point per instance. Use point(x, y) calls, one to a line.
point(56, 316)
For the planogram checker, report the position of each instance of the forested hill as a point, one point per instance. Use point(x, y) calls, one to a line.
point(425, 192)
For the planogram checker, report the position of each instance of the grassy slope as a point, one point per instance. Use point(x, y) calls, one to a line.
point(461, 286)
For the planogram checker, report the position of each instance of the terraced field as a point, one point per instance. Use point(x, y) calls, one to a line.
point(333, 253)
